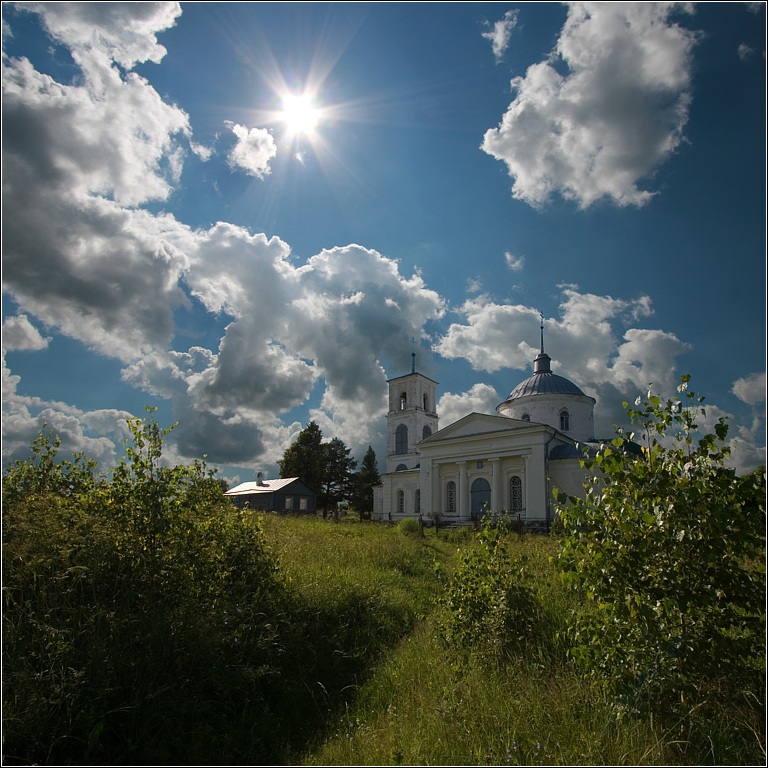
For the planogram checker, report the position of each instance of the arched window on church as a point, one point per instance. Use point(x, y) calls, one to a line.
point(417, 501)
point(425, 400)
point(565, 420)
point(525, 417)
point(400, 502)
point(401, 440)
point(451, 497)
point(426, 432)
point(403, 401)
point(515, 494)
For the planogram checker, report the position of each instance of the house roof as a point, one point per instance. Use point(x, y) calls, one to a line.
point(566, 451)
point(412, 373)
point(266, 486)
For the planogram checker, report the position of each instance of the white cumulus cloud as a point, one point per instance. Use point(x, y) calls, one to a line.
point(604, 111)
point(253, 151)
point(19, 333)
point(480, 398)
point(82, 258)
point(95, 433)
point(501, 32)
point(590, 343)
point(126, 32)
point(750, 389)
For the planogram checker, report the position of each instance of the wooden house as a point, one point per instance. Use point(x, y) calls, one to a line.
point(288, 495)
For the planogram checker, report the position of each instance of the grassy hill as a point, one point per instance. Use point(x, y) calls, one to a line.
point(357, 674)
point(148, 622)
point(419, 703)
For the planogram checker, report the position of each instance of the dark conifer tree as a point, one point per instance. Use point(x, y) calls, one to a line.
point(364, 482)
point(305, 458)
point(337, 483)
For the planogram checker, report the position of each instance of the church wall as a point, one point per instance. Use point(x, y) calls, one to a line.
point(569, 476)
point(407, 481)
point(414, 422)
point(545, 409)
point(537, 487)
point(378, 503)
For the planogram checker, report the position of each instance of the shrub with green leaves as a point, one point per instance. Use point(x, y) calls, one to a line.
point(409, 526)
point(141, 611)
point(489, 605)
point(667, 549)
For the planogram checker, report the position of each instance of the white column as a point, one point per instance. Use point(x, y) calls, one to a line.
point(496, 496)
point(425, 485)
point(462, 502)
point(437, 492)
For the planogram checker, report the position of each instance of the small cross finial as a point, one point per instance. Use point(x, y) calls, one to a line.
point(541, 314)
point(413, 355)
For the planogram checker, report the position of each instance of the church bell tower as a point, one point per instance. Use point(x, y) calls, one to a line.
point(411, 418)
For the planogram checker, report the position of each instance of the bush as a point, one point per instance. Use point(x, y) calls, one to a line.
point(409, 526)
point(141, 613)
point(667, 549)
point(489, 605)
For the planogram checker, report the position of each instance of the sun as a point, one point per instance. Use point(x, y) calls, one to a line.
point(300, 114)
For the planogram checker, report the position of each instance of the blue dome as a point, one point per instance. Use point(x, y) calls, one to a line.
point(545, 384)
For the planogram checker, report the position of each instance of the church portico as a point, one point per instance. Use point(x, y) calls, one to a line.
point(452, 491)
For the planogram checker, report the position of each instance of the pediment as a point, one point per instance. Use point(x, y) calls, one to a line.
point(475, 424)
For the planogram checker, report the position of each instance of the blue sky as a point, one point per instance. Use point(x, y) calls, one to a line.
point(174, 235)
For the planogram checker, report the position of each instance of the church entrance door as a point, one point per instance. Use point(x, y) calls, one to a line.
point(481, 497)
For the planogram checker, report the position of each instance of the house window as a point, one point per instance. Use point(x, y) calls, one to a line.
point(401, 440)
point(565, 420)
point(400, 502)
point(403, 401)
point(417, 501)
point(426, 432)
point(303, 502)
point(451, 496)
point(515, 494)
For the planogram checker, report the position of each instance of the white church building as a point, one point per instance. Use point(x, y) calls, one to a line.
point(508, 462)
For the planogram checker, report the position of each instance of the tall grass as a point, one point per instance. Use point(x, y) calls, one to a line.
point(330, 655)
point(421, 710)
point(427, 705)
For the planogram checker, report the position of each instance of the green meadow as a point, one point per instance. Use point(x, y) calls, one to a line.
point(341, 662)
point(148, 622)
